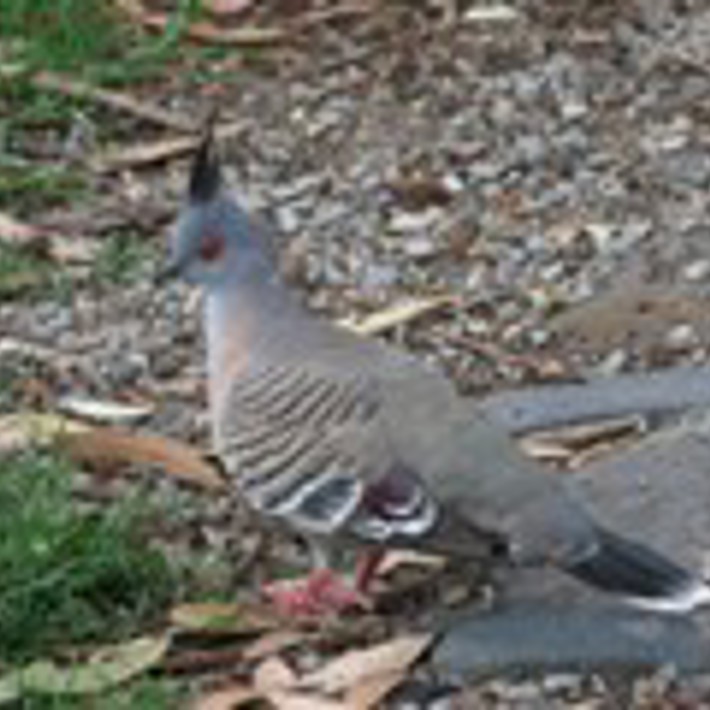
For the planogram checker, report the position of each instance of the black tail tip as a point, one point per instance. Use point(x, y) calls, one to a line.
point(205, 175)
point(641, 576)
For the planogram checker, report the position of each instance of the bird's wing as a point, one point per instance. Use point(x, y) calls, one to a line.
point(307, 442)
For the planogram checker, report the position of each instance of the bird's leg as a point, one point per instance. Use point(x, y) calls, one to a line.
point(324, 591)
point(368, 561)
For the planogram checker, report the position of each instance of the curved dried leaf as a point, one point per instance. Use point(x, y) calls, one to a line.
point(109, 447)
point(19, 431)
point(104, 412)
point(106, 668)
point(229, 698)
point(291, 700)
point(373, 690)
point(354, 667)
point(272, 675)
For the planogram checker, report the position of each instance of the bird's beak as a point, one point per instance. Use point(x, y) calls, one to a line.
point(169, 271)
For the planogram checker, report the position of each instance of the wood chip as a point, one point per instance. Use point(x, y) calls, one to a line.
point(420, 191)
point(398, 314)
point(491, 13)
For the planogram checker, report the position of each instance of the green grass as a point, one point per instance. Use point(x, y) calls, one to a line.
point(141, 694)
point(123, 258)
point(87, 35)
point(69, 577)
point(20, 273)
point(25, 190)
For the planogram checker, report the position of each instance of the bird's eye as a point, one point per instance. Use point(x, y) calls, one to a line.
point(211, 247)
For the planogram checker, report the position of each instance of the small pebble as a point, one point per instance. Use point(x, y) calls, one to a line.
point(697, 270)
point(681, 336)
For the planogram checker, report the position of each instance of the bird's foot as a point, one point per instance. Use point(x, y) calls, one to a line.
point(323, 592)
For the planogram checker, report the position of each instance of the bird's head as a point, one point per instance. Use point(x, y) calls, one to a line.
point(213, 239)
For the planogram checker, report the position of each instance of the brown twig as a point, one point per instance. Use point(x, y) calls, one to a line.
point(112, 99)
point(332, 14)
point(150, 153)
point(204, 31)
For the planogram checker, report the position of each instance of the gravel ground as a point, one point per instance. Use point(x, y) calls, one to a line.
point(549, 166)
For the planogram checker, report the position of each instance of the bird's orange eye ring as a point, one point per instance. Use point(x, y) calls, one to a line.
point(211, 247)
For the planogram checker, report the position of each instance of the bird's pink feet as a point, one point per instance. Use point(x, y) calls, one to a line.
point(323, 592)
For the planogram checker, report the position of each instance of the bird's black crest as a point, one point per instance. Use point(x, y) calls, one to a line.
point(205, 175)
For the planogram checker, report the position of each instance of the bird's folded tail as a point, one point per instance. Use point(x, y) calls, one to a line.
point(645, 578)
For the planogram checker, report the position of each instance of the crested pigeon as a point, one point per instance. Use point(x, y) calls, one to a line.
point(340, 436)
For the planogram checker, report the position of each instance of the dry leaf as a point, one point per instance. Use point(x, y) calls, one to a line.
point(105, 668)
point(353, 667)
point(237, 36)
point(271, 644)
point(273, 674)
point(73, 250)
point(227, 698)
point(18, 431)
point(546, 450)
point(396, 315)
point(398, 558)
point(293, 700)
point(15, 231)
point(214, 618)
point(104, 412)
point(373, 690)
point(228, 7)
point(582, 436)
point(111, 447)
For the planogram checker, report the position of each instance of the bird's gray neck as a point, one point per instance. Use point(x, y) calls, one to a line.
point(241, 315)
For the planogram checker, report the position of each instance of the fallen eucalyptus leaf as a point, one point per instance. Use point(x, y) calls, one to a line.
point(99, 448)
point(104, 412)
point(353, 667)
point(105, 668)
